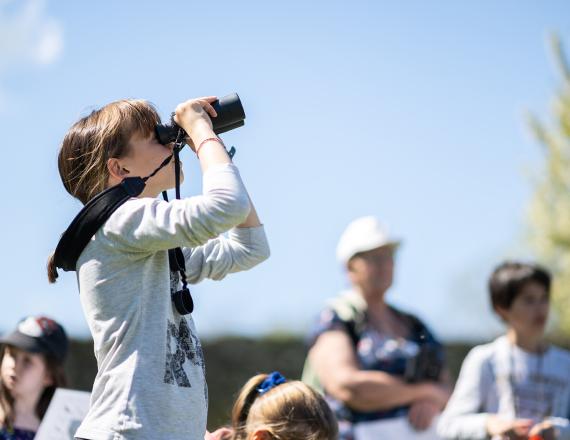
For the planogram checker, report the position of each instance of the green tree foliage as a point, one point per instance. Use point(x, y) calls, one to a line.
point(550, 206)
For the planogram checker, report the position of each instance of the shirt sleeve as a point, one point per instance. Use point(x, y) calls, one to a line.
point(462, 417)
point(327, 320)
point(151, 225)
point(243, 249)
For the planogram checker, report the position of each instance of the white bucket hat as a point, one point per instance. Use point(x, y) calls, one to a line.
point(361, 235)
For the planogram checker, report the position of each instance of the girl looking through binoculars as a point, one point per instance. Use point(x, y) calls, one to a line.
point(150, 381)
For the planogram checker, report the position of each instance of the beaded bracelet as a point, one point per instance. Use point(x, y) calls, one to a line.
point(215, 139)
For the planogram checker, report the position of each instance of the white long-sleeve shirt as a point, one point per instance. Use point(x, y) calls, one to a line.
point(500, 378)
point(150, 383)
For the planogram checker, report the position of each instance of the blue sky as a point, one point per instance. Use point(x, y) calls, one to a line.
point(412, 111)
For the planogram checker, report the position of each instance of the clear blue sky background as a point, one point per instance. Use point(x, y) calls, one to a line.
point(412, 111)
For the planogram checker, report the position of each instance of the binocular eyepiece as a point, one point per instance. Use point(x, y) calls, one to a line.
point(230, 115)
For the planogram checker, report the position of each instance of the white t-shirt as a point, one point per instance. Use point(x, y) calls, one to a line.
point(500, 378)
point(150, 383)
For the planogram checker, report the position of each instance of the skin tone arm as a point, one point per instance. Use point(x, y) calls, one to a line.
point(337, 368)
point(194, 116)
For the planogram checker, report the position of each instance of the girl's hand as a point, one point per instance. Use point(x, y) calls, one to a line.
point(543, 431)
point(219, 434)
point(422, 413)
point(194, 117)
point(517, 429)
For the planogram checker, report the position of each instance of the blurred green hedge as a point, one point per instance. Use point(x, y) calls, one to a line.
point(230, 361)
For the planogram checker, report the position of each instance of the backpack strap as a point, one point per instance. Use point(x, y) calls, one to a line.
point(350, 307)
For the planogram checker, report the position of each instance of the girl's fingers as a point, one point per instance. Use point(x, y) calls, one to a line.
point(205, 99)
point(209, 109)
point(421, 421)
point(208, 99)
point(413, 417)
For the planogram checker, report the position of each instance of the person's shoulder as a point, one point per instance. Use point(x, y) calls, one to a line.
point(136, 203)
point(561, 355)
point(486, 353)
point(415, 323)
point(339, 312)
point(346, 305)
point(407, 315)
point(132, 211)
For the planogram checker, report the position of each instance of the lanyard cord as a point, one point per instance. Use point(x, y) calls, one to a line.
point(161, 166)
point(182, 298)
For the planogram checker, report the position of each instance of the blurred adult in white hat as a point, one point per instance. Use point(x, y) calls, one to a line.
point(367, 356)
point(362, 235)
point(367, 250)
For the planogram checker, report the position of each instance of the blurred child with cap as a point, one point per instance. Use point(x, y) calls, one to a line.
point(31, 369)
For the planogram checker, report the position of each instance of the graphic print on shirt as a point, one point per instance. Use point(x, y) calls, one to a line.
point(534, 397)
point(181, 345)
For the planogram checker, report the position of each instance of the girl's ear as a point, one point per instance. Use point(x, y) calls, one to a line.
point(260, 434)
point(116, 170)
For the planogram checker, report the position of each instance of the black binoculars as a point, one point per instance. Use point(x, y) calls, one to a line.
point(230, 115)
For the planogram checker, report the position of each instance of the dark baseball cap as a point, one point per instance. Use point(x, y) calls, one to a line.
point(38, 334)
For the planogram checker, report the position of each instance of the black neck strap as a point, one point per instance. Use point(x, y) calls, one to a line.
point(98, 210)
point(93, 215)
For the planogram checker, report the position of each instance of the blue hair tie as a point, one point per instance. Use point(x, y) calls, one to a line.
point(270, 382)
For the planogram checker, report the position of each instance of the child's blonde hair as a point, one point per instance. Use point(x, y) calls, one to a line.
point(92, 141)
point(288, 411)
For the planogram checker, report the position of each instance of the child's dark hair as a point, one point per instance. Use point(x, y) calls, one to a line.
point(290, 411)
point(54, 368)
point(509, 278)
point(92, 141)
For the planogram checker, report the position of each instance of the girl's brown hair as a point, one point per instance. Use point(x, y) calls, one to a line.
point(54, 369)
point(290, 411)
point(92, 141)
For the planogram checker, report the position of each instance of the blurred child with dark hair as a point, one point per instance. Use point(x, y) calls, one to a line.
point(518, 386)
